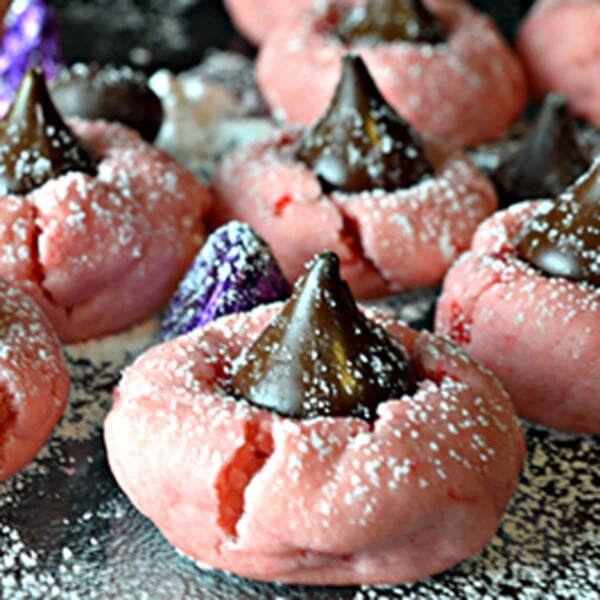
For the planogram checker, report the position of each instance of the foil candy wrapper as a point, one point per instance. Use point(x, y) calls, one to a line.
point(31, 39)
point(233, 272)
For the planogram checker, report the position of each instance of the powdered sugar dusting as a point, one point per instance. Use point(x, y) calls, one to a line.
point(443, 76)
point(62, 537)
point(491, 295)
point(69, 239)
point(400, 239)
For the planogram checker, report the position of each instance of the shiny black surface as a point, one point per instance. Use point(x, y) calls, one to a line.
point(67, 531)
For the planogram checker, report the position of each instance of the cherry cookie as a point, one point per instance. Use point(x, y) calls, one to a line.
point(97, 225)
point(556, 46)
point(525, 301)
point(396, 209)
point(34, 379)
point(440, 63)
point(316, 442)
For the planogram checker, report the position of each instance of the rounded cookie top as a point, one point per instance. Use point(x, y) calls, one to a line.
point(85, 244)
point(328, 499)
point(34, 380)
point(447, 90)
point(539, 334)
point(387, 241)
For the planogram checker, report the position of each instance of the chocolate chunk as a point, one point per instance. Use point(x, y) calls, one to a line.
point(109, 93)
point(36, 145)
point(361, 143)
point(320, 356)
point(547, 159)
point(391, 21)
point(564, 240)
point(233, 272)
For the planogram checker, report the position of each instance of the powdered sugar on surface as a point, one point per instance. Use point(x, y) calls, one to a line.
point(66, 531)
point(388, 241)
point(443, 76)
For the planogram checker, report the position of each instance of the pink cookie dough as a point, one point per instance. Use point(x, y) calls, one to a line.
point(467, 91)
point(34, 379)
point(328, 500)
point(539, 335)
point(256, 19)
point(557, 45)
point(387, 241)
point(102, 253)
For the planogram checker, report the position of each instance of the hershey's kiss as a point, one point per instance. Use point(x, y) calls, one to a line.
point(233, 272)
point(564, 240)
point(36, 145)
point(546, 161)
point(320, 356)
point(391, 21)
point(111, 93)
point(361, 143)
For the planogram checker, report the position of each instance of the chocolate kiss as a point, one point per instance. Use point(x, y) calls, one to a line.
point(548, 159)
point(361, 143)
point(565, 240)
point(109, 93)
point(390, 21)
point(321, 356)
point(36, 145)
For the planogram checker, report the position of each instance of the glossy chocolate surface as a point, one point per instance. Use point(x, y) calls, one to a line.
point(320, 356)
point(392, 21)
point(69, 530)
point(546, 161)
point(361, 143)
point(564, 241)
point(109, 93)
point(36, 145)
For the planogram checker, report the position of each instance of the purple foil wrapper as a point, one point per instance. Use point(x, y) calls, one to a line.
point(31, 39)
point(233, 272)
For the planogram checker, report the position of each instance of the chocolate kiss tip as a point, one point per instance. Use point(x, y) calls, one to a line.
point(361, 143)
point(356, 86)
point(565, 241)
point(36, 145)
point(548, 159)
point(554, 117)
point(320, 356)
point(390, 21)
point(31, 91)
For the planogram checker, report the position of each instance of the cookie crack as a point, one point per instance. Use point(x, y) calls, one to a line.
point(351, 237)
point(237, 474)
point(461, 320)
point(8, 420)
point(38, 272)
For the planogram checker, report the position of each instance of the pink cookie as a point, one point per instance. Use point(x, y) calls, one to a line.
point(467, 90)
point(332, 500)
point(557, 46)
point(34, 380)
point(539, 335)
point(387, 241)
point(101, 253)
point(256, 19)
